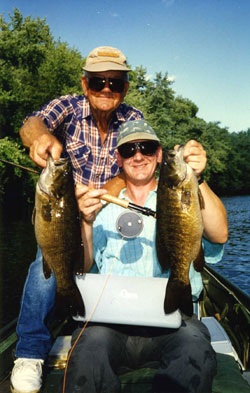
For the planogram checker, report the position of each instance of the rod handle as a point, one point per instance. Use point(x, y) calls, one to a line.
point(113, 199)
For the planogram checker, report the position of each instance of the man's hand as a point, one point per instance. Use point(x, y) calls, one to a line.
point(195, 156)
point(44, 145)
point(36, 136)
point(89, 202)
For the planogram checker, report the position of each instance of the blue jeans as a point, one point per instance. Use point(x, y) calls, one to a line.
point(36, 313)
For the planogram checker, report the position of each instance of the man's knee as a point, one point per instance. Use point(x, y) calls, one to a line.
point(94, 338)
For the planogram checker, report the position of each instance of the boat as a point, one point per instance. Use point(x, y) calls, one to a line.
point(223, 307)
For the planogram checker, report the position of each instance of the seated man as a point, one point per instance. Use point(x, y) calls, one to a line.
point(184, 357)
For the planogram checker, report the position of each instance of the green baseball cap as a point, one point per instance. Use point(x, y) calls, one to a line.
point(135, 130)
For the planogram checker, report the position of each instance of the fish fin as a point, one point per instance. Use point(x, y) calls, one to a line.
point(79, 262)
point(186, 197)
point(199, 261)
point(33, 217)
point(178, 296)
point(201, 200)
point(46, 212)
point(69, 302)
point(115, 185)
point(46, 269)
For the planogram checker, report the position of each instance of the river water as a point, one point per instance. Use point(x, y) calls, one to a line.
point(18, 249)
point(235, 264)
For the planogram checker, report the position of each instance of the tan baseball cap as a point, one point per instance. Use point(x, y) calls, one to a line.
point(106, 58)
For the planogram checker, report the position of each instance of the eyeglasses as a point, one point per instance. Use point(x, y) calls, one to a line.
point(147, 148)
point(97, 83)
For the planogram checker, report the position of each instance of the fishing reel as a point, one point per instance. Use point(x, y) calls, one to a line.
point(129, 224)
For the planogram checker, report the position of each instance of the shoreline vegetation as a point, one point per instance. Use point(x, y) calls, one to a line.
point(36, 68)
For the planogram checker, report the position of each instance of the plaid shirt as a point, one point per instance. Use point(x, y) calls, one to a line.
point(70, 119)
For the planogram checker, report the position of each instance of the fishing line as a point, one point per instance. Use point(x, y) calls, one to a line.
point(90, 315)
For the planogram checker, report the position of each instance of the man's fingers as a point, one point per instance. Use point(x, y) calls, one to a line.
point(38, 158)
point(83, 191)
point(42, 147)
point(80, 190)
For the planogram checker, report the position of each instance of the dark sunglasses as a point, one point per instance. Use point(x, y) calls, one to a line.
point(97, 83)
point(147, 148)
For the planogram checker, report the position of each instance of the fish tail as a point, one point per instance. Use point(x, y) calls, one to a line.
point(70, 302)
point(178, 295)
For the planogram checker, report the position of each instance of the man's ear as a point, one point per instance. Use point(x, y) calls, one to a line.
point(123, 94)
point(119, 159)
point(84, 83)
point(159, 154)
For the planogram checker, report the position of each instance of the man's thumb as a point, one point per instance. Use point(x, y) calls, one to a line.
point(91, 185)
point(56, 150)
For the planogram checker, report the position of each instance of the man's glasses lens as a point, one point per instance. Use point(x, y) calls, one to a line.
point(147, 148)
point(97, 84)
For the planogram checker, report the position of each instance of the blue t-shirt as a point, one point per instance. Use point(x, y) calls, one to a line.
point(137, 256)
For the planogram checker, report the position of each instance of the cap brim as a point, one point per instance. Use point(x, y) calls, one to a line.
point(138, 136)
point(105, 66)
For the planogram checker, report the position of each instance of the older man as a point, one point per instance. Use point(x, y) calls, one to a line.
point(84, 128)
point(185, 359)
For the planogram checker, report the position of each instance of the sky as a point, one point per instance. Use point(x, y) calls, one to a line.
point(203, 45)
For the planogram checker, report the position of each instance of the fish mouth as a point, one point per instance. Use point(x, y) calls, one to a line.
point(60, 161)
point(174, 166)
point(48, 178)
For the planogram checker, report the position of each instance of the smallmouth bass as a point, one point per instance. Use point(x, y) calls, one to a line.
point(58, 233)
point(179, 229)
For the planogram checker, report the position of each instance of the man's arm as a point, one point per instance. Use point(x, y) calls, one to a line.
point(214, 213)
point(89, 205)
point(214, 216)
point(36, 136)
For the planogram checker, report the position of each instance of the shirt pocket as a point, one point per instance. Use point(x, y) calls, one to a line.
point(79, 153)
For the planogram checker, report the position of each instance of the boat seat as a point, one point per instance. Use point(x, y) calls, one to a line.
point(228, 379)
point(219, 338)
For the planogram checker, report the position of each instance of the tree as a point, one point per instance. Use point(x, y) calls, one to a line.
point(13, 179)
point(238, 165)
point(34, 69)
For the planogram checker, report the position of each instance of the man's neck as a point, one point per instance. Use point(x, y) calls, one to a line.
point(102, 121)
point(138, 193)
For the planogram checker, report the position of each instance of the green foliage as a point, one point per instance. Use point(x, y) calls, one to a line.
point(136, 95)
point(33, 69)
point(23, 181)
point(238, 179)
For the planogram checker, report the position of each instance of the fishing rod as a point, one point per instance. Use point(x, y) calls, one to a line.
point(107, 197)
point(128, 205)
point(20, 166)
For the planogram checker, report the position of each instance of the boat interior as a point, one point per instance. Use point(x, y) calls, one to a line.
point(222, 308)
